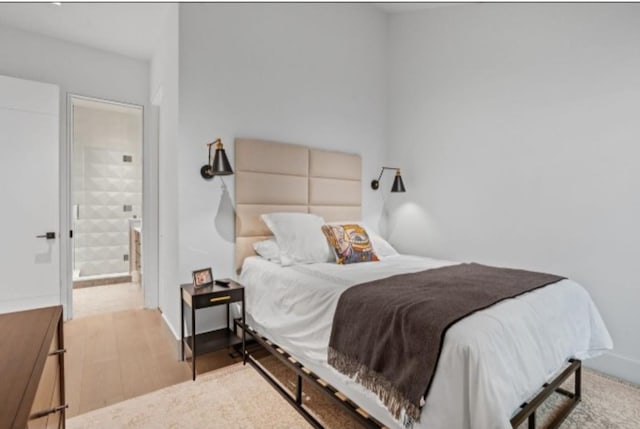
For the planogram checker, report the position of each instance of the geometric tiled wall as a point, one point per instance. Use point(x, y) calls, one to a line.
point(103, 183)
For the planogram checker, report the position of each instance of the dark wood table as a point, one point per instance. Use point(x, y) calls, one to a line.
point(211, 341)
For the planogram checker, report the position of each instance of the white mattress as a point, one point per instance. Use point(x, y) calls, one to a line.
point(491, 361)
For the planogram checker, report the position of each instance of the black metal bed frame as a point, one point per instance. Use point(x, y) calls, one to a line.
point(527, 410)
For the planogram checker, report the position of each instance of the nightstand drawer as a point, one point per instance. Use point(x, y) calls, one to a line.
point(218, 298)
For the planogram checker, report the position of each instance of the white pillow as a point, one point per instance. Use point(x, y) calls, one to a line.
point(268, 249)
point(300, 237)
point(381, 247)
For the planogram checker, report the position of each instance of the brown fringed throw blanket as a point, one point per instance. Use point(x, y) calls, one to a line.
point(388, 333)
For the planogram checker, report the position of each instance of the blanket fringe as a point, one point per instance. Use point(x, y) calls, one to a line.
point(390, 396)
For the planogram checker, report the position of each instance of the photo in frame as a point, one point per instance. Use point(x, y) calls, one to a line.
point(202, 278)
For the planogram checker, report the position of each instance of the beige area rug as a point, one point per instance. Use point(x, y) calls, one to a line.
point(232, 397)
point(238, 397)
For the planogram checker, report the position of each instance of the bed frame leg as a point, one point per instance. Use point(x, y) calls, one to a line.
point(299, 391)
point(528, 409)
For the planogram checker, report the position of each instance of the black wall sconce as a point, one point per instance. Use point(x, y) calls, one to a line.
point(220, 165)
point(398, 185)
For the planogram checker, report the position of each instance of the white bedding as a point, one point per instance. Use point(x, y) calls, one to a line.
point(491, 361)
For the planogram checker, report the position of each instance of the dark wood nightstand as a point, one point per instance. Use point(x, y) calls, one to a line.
point(211, 341)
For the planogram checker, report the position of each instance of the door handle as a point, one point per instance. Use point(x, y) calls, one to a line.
point(48, 235)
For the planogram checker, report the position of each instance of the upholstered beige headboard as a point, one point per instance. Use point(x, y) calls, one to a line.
point(280, 177)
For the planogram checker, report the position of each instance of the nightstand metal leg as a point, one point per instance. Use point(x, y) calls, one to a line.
point(299, 391)
point(244, 334)
point(181, 327)
point(193, 343)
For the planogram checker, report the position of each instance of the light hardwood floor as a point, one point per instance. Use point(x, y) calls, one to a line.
point(116, 356)
point(106, 299)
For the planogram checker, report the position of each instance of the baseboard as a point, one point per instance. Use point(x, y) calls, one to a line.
point(616, 365)
point(172, 335)
point(101, 281)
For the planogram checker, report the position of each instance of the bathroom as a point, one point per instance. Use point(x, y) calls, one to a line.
point(106, 185)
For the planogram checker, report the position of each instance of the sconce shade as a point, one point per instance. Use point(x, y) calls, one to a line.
point(221, 165)
point(398, 184)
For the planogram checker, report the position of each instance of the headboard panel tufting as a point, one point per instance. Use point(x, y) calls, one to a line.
point(277, 177)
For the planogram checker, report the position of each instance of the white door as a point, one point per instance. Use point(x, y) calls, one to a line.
point(29, 194)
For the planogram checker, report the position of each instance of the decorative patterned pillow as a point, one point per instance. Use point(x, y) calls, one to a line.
point(350, 243)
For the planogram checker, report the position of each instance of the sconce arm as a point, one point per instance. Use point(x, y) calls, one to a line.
point(386, 168)
point(376, 182)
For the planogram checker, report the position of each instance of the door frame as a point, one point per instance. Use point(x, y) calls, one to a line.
point(149, 201)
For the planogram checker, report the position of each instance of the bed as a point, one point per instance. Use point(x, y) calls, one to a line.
point(491, 363)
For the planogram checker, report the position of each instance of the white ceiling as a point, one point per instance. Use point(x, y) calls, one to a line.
point(400, 7)
point(130, 29)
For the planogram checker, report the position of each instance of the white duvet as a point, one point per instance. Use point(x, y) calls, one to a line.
point(491, 361)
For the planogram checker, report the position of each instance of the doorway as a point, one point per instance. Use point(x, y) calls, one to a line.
point(106, 205)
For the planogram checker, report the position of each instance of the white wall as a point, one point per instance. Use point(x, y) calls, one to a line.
point(79, 70)
point(313, 74)
point(164, 93)
point(517, 129)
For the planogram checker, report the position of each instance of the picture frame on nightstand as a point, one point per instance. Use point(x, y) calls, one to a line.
point(202, 278)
